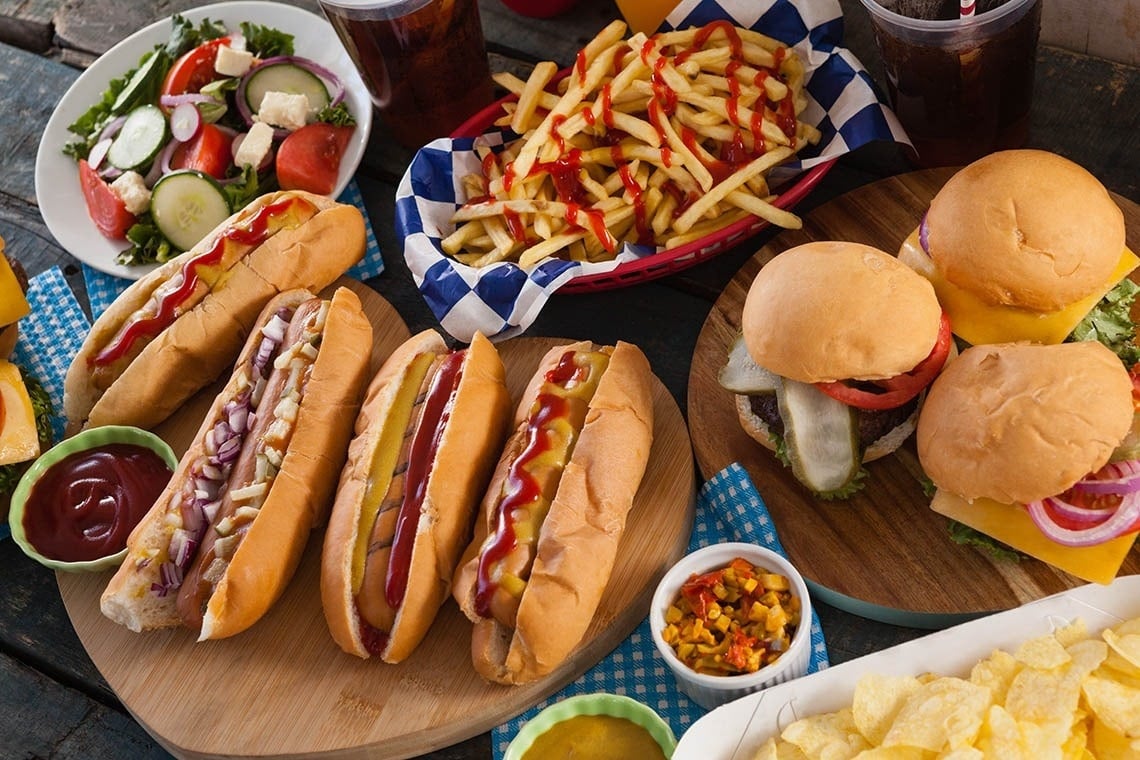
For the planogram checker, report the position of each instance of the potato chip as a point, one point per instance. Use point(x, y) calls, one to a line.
point(996, 673)
point(831, 735)
point(1115, 703)
point(895, 753)
point(1126, 645)
point(1044, 652)
point(876, 702)
point(963, 753)
point(943, 714)
point(1072, 633)
point(1109, 744)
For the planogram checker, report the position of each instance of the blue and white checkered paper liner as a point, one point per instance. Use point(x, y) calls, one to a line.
point(48, 337)
point(729, 508)
point(103, 288)
point(502, 300)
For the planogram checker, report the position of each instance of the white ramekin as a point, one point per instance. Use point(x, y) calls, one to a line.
point(711, 691)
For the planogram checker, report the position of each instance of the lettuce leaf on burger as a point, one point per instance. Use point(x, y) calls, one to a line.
point(838, 342)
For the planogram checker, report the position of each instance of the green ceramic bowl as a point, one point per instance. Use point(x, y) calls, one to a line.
point(88, 439)
point(593, 704)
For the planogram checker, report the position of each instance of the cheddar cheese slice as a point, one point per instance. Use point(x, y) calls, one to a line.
point(979, 322)
point(13, 304)
point(1012, 525)
point(19, 441)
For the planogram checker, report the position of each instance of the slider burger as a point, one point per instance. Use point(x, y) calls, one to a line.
point(427, 437)
point(175, 330)
point(1027, 245)
point(551, 519)
point(838, 342)
point(1024, 442)
point(223, 539)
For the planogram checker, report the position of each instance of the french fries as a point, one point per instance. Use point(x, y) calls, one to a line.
point(657, 141)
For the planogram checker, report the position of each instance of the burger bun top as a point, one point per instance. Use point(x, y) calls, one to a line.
point(1016, 422)
point(1025, 228)
point(827, 311)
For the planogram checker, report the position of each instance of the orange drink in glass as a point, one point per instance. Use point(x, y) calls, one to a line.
point(645, 15)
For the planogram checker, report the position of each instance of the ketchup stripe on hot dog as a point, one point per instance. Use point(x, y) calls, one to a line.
point(426, 438)
point(177, 328)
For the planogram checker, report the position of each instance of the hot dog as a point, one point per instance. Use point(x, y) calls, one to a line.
point(222, 541)
point(553, 515)
point(431, 426)
point(175, 330)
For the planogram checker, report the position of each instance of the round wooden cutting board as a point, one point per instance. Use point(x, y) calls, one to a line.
point(283, 689)
point(883, 553)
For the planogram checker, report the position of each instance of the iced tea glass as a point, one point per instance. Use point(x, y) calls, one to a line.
point(962, 88)
point(424, 61)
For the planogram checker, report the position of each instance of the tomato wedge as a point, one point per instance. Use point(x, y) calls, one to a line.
point(105, 208)
point(899, 389)
point(309, 159)
point(208, 152)
point(193, 70)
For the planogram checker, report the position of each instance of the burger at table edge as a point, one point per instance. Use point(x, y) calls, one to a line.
point(839, 340)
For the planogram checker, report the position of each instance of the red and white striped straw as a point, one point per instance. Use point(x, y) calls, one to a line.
point(966, 8)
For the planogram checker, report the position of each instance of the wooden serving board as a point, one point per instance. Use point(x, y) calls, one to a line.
point(883, 553)
point(283, 689)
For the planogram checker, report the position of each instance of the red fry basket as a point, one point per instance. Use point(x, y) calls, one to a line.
point(672, 260)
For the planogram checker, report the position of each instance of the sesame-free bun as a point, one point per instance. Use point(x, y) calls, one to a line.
point(827, 311)
point(1016, 422)
point(1025, 228)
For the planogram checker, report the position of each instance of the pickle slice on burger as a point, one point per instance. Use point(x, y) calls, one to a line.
point(838, 342)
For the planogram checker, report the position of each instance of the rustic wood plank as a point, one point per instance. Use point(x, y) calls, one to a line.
point(28, 23)
point(43, 718)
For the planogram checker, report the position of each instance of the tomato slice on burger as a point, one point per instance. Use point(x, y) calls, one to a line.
point(105, 208)
point(193, 70)
point(309, 159)
point(899, 389)
point(208, 152)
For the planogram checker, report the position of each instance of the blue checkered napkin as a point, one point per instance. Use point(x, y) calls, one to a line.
point(48, 337)
point(503, 300)
point(104, 288)
point(728, 509)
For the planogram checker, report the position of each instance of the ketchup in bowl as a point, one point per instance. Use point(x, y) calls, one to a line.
point(84, 506)
point(76, 506)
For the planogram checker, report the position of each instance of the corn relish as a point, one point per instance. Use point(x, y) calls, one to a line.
point(732, 621)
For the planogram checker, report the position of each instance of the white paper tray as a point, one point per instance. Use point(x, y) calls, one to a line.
point(736, 730)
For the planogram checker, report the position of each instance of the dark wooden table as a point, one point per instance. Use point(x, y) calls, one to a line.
point(53, 702)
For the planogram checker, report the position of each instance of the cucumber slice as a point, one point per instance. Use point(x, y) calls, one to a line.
point(186, 205)
point(285, 77)
point(143, 84)
point(821, 436)
point(141, 138)
point(742, 375)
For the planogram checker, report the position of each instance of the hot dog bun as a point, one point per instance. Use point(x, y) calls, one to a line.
point(577, 541)
point(142, 595)
point(308, 242)
point(464, 456)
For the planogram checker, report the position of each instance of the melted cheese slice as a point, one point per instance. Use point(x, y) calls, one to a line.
point(19, 441)
point(1013, 526)
point(13, 304)
point(979, 322)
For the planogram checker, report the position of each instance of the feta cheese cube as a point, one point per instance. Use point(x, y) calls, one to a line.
point(256, 145)
point(132, 191)
point(282, 109)
point(231, 62)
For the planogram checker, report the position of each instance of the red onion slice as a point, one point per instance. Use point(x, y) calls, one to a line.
point(1078, 514)
point(1114, 478)
point(173, 101)
point(924, 235)
point(185, 121)
point(99, 152)
point(112, 128)
point(1122, 521)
